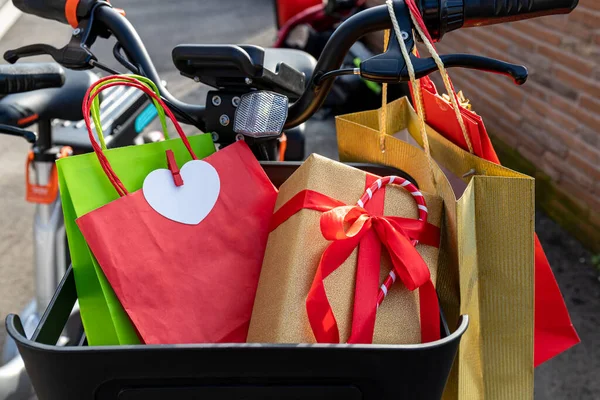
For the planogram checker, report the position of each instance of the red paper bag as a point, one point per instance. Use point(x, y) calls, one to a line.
point(554, 331)
point(179, 280)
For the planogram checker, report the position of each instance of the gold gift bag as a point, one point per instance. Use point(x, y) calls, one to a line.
point(486, 262)
point(486, 257)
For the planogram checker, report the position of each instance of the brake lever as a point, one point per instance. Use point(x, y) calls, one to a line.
point(72, 57)
point(12, 56)
point(390, 67)
point(29, 136)
point(75, 55)
point(425, 66)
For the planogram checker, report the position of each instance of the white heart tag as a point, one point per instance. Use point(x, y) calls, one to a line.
point(190, 203)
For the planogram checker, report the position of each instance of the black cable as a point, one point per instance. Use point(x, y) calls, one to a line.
point(125, 33)
point(91, 20)
point(184, 115)
point(123, 59)
point(104, 68)
point(187, 117)
point(336, 73)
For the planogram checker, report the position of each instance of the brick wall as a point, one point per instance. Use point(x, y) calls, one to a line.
point(553, 121)
point(550, 127)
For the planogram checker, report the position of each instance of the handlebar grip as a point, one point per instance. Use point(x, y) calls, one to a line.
point(49, 9)
point(488, 12)
point(26, 77)
point(56, 9)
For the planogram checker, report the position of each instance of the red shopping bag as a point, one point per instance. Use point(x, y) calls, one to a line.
point(440, 116)
point(554, 331)
point(184, 253)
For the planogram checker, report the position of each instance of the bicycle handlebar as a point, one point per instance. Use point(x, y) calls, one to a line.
point(49, 9)
point(370, 20)
point(488, 12)
point(65, 11)
point(377, 18)
point(440, 16)
point(131, 42)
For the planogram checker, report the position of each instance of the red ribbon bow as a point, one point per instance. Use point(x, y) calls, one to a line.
point(347, 227)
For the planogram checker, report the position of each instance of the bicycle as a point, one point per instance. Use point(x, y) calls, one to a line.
point(48, 95)
point(242, 79)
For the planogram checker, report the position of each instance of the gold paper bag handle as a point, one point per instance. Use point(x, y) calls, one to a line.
point(420, 111)
point(416, 87)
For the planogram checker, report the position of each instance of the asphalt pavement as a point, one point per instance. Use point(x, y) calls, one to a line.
point(164, 24)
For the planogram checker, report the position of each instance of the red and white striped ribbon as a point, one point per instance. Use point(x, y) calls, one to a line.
point(419, 199)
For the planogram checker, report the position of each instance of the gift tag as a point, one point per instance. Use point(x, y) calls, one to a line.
point(187, 199)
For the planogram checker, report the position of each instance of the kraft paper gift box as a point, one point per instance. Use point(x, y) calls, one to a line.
point(296, 246)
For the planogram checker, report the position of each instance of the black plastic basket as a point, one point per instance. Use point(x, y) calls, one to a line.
point(229, 371)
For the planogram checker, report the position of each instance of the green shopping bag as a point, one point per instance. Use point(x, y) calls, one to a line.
point(84, 187)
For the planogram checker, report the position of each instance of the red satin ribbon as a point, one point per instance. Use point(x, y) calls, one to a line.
point(367, 273)
point(345, 226)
